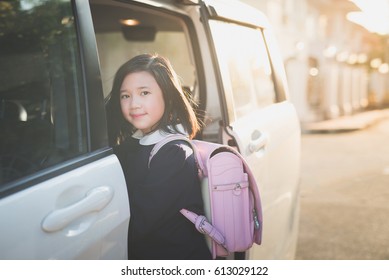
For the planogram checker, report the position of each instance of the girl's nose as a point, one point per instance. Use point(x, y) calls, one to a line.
point(134, 102)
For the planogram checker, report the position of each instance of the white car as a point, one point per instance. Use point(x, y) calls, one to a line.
point(62, 190)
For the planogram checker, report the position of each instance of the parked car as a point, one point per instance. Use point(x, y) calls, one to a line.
point(62, 190)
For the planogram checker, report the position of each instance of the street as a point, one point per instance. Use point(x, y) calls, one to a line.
point(345, 195)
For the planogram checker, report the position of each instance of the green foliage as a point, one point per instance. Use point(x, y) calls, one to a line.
point(31, 24)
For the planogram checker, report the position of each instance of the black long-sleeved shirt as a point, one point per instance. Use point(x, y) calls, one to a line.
point(157, 193)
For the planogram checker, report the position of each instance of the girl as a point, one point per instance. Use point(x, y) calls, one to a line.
point(147, 104)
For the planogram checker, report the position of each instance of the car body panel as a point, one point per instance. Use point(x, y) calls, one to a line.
point(97, 229)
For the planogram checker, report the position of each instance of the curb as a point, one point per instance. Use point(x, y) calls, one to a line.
point(346, 123)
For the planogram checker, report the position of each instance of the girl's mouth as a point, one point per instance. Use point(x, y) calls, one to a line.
point(135, 116)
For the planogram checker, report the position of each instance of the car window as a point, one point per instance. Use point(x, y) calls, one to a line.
point(42, 119)
point(245, 66)
point(124, 31)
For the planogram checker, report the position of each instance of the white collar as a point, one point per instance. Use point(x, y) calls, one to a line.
point(156, 136)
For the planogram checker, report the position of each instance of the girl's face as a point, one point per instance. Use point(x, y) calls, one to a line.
point(141, 101)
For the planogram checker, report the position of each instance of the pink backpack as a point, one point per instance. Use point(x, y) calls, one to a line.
point(233, 212)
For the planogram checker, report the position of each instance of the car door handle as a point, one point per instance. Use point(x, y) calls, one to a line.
point(94, 201)
point(258, 141)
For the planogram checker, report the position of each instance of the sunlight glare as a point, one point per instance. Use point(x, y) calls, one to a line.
point(374, 15)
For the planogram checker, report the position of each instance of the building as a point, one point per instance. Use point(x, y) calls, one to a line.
point(334, 66)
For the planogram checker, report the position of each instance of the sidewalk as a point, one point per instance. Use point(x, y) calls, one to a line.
point(346, 123)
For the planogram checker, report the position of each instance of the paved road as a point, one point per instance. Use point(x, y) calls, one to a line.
point(345, 195)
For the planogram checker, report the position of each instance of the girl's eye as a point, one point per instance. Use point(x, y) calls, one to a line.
point(143, 93)
point(124, 96)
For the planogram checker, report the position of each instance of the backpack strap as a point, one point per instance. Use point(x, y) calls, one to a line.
point(174, 137)
point(202, 225)
point(163, 142)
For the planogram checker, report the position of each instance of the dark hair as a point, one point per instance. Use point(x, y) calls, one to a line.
point(178, 106)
